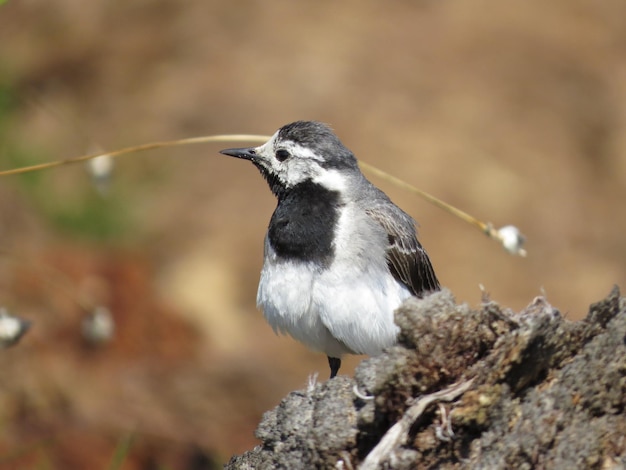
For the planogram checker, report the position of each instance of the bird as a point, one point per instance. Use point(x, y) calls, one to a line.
point(339, 255)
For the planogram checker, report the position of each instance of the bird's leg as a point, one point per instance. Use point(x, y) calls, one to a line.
point(335, 364)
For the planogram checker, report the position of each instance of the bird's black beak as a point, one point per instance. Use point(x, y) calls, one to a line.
point(246, 153)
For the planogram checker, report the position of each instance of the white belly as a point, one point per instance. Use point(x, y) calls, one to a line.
point(345, 309)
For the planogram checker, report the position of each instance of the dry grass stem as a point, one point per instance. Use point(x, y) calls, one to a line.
point(487, 228)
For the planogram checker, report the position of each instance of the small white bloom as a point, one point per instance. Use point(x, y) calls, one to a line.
point(99, 326)
point(512, 240)
point(101, 168)
point(11, 328)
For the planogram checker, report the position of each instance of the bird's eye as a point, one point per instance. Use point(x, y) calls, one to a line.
point(282, 155)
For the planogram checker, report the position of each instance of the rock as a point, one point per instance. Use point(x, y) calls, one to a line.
point(545, 392)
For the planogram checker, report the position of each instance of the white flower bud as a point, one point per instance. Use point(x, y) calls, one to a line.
point(512, 240)
point(11, 328)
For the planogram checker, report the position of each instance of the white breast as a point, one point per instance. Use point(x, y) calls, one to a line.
point(346, 308)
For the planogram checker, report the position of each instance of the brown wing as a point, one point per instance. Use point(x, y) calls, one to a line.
point(407, 260)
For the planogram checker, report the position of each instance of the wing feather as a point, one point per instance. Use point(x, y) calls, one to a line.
point(407, 260)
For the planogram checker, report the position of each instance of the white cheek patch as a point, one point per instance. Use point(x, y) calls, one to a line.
point(296, 170)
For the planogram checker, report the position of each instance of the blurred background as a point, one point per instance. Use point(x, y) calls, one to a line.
point(512, 111)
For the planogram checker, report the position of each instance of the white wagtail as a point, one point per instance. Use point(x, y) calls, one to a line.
point(340, 257)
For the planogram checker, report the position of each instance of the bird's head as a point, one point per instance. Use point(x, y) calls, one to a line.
point(299, 152)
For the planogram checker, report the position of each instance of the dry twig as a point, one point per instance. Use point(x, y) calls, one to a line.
point(398, 433)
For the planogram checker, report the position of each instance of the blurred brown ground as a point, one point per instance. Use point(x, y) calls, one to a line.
point(514, 112)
